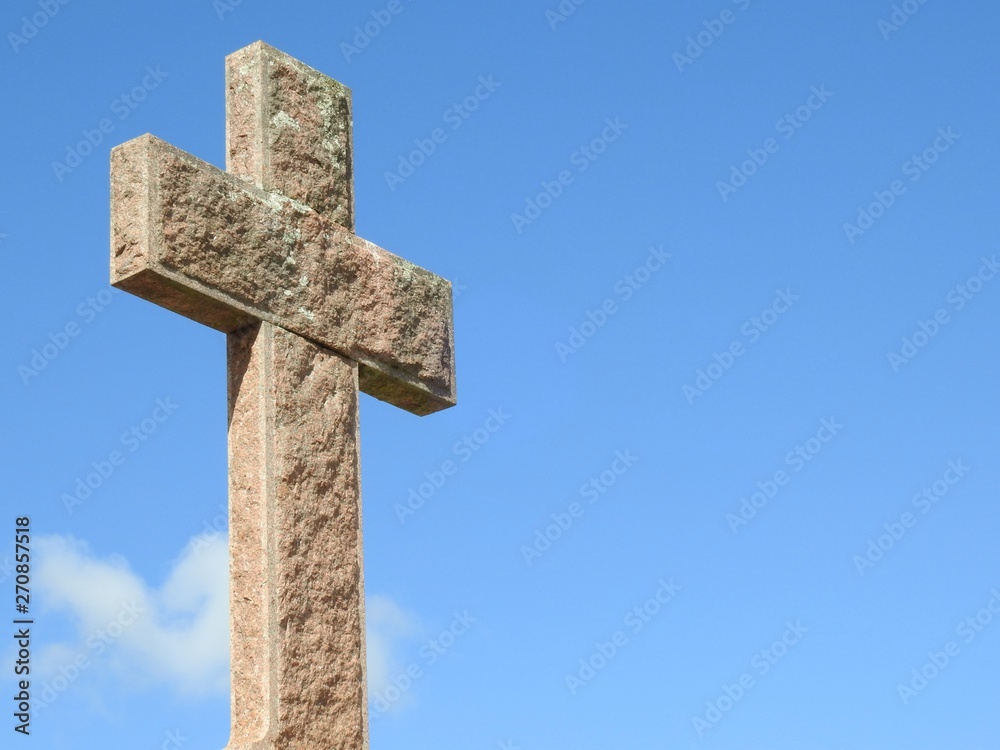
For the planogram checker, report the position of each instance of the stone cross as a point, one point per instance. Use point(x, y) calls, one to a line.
point(266, 252)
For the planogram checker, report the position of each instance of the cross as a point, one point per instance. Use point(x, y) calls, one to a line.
point(266, 252)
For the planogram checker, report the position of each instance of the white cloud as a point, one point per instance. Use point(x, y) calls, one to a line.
point(388, 627)
point(177, 634)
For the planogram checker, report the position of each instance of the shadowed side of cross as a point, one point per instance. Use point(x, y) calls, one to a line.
point(266, 253)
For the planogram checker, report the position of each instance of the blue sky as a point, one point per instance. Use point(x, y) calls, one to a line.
point(727, 287)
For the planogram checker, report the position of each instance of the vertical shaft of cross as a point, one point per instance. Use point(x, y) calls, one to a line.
point(297, 586)
point(297, 590)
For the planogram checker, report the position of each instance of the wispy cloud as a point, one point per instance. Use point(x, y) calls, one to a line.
point(388, 627)
point(176, 634)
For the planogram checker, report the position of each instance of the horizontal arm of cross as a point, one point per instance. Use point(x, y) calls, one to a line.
point(225, 253)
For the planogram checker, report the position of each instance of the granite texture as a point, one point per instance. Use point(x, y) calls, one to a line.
point(296, 577)
point(216, 249)
point(266, 253)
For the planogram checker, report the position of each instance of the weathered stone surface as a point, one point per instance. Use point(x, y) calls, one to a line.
point(289, 130)
point(313, 313)
point(220, 251)
point(297, 587)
